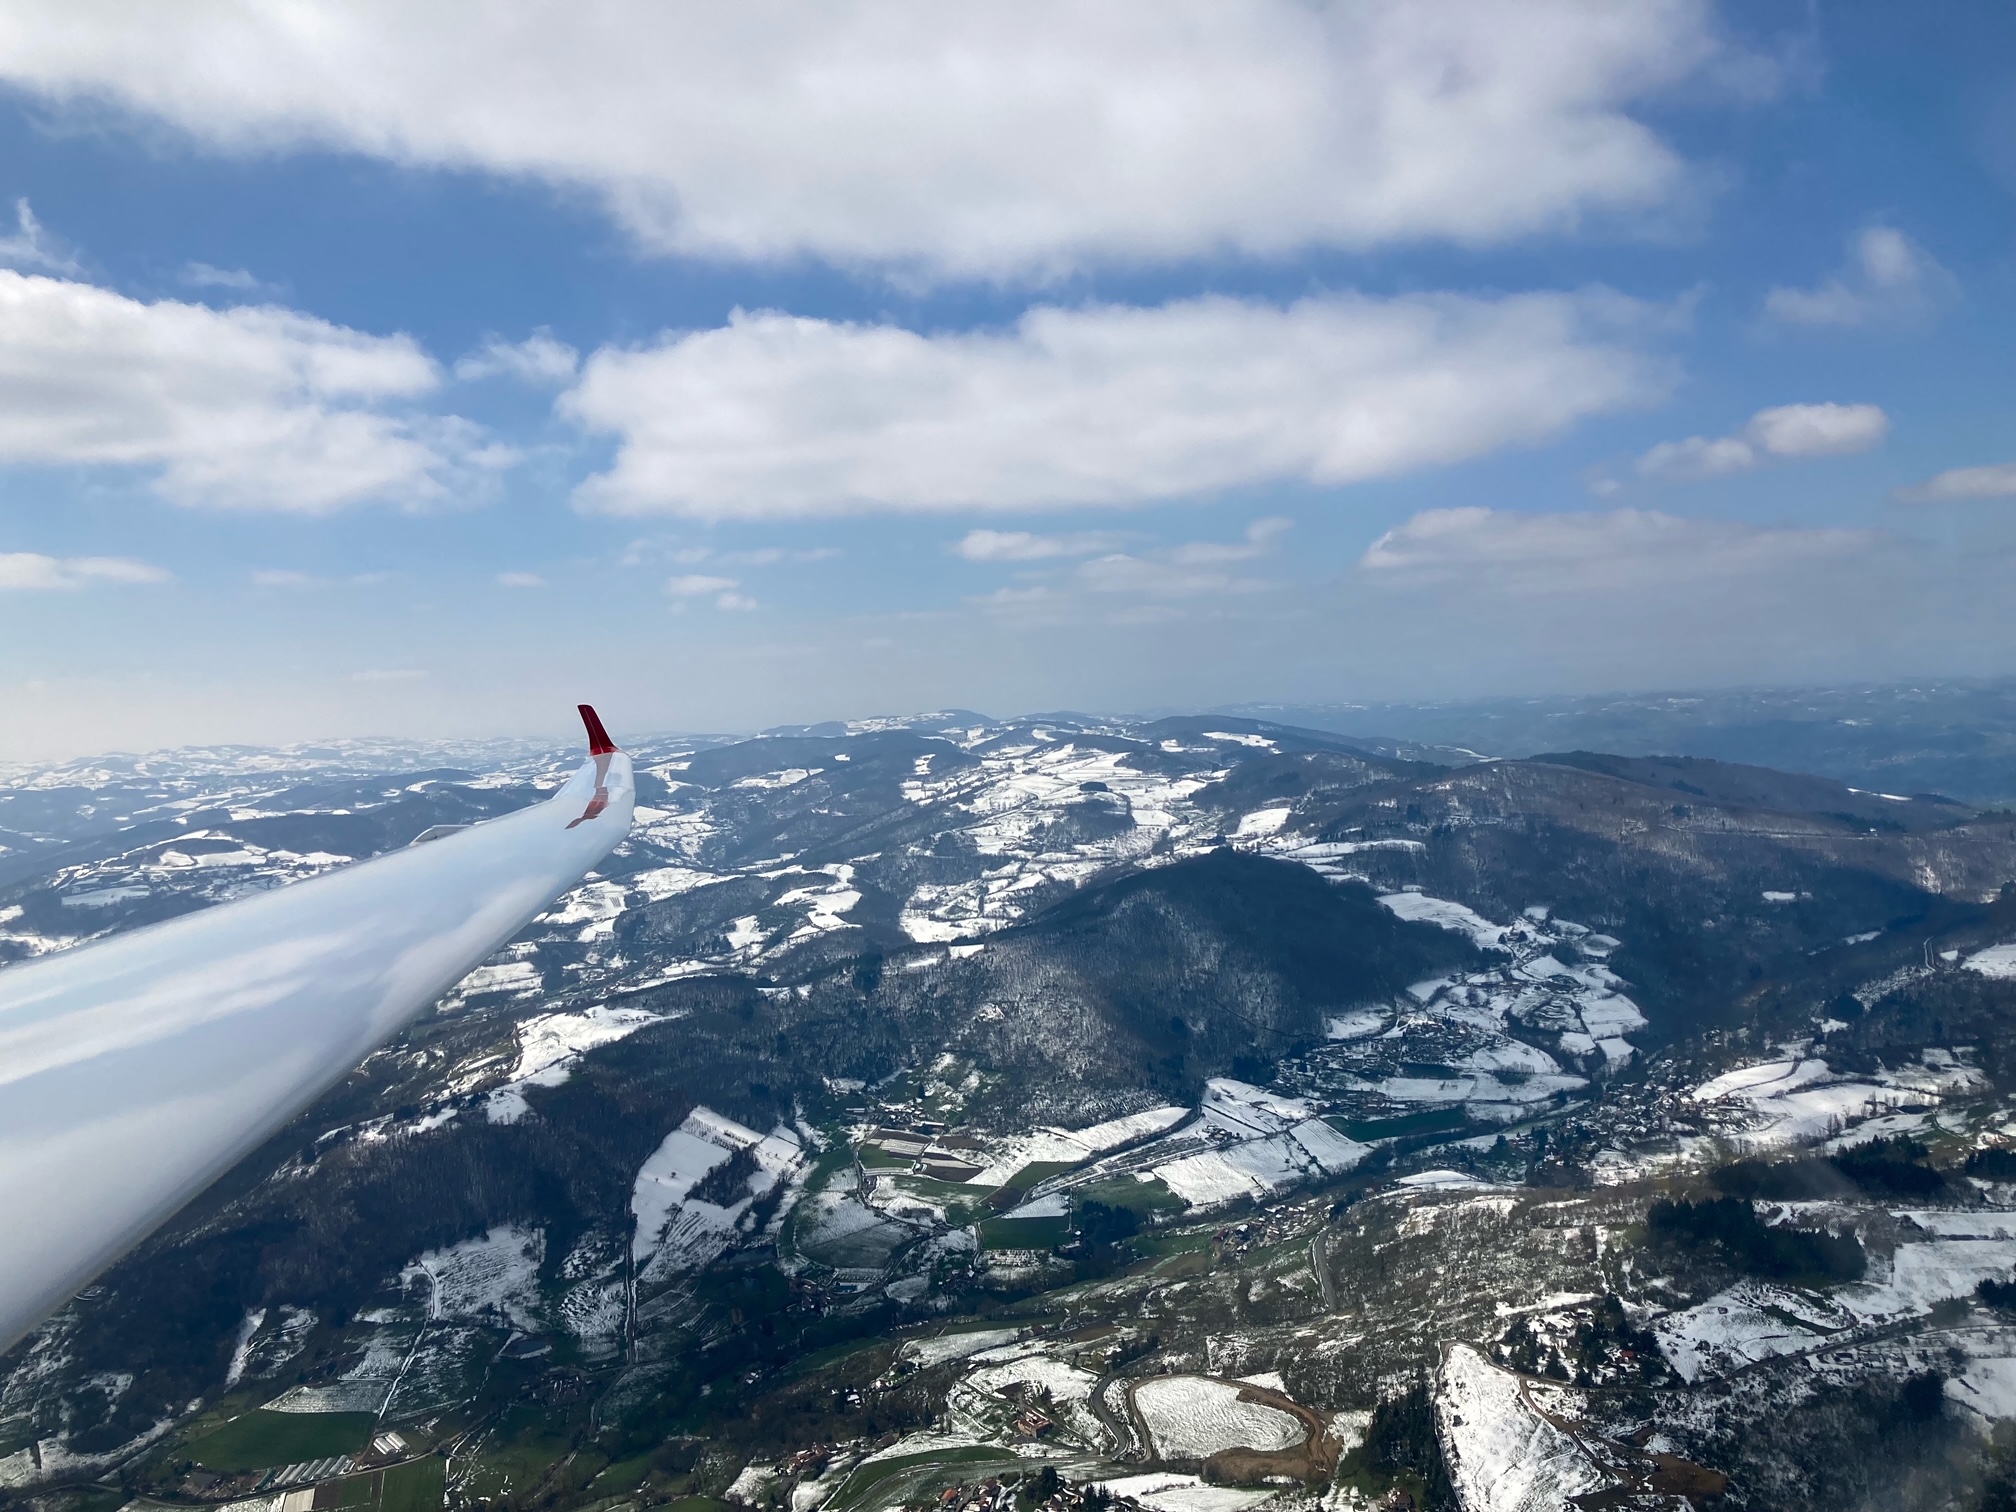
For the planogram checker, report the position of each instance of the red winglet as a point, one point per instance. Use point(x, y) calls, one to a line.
point(599, 743)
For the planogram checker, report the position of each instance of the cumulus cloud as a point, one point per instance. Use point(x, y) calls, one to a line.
point(1888, 278)
point(31, 245)
point(776, 415)
point(1596, 551)
point(248, 408)
point(1026, 546)
point(540, 359)
point(1995, 481)
point(32, 570)
point(1788, 432)
point(962, 140)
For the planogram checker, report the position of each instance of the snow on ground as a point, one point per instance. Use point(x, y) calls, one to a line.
point(1070, 1146)
point(1244, 1110)
point(1034, 1371)
point(1996, 961)
point(1441, 1181)
point(1795, 1098)
point(957, 1346)
point(1503, 1456)
point(337, 1396)
point(1259, 1167)
point(549, 1047)
point(669, 881)
point(1419, 908)
point(674, 1231)
point(1168, 1492)
point(1922, 1274)
point(1191, 1417)
point(1988, 1383)
point(594, 905)
point(1356, 1025)
point(1753, 1321)
point(1262, 822)
point(492, 1278)
point(826, 904)
point(519, 978)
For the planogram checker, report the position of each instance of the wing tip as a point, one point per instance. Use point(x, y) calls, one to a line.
point(599, 743)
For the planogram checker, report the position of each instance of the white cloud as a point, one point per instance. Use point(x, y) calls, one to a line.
point(1889, 278)
point(1025, 546)
point(1259, 540)
point(723, 590)
point(31, 246)
point(32, 570)
point(1593, 552)
point(1162, 577)
point(775, 415)
point(1995, 481)
point(1818, 430)
point(248, 408)
point(697, 584)
point(520, 580)
point(962, 140)
point(1789, 431)
point(281, 577)
point(539, 359)
point(1698, 457)
point(1154, 580)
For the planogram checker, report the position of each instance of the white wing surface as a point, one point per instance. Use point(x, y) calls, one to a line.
point(134, 1072)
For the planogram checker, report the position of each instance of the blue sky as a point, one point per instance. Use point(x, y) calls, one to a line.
point(421, 369)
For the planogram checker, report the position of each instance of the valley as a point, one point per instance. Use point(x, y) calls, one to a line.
point(1188, 1114)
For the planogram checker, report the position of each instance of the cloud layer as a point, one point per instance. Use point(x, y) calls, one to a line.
point(249, 408)
point(991, 141)
point(32, 570)
point(1595, 551)
point(775, 415)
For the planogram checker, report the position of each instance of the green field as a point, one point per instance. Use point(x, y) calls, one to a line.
point(1144, 1197)
point(855, 1489)
point(417, 1486)
point(1433, 1121)
point(261, 1439)
point(1024, 1233)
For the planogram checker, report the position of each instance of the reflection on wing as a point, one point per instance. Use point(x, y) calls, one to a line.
point(134, 1072)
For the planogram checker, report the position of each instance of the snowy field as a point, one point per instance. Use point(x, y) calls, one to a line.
point(1263, 1143)
point(1168, 1492)
point(1753, 1321)
point(1797, 1098)
point(549, 1047)
point(677, 1231)
point(1503, 1456)
point(1997, 961)
point(493, 1278)
point(1191, 1417)
point(957, 1346)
